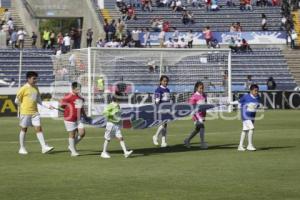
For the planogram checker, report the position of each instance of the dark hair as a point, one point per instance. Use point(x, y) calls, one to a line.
point(254, 86)
point(75, 85)
point(163, 77)
point(198, 83)
point(31, 74)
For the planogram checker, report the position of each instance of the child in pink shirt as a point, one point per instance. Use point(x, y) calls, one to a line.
point(197, 98)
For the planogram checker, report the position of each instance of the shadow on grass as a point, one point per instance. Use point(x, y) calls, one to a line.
point(270, 148)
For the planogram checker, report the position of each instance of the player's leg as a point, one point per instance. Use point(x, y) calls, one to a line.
point(107, 137)
point(242, 138)
point(72, 147)
point(164, 136)
point(119, 136)
point(36, 122)
point(202, 136)
point(250, 146)
point(81, 133)
point(157, 134)
point(192, 135)
point(22, 136)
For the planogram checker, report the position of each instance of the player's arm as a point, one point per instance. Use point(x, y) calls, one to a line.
point(157, 97)
point(19, 96)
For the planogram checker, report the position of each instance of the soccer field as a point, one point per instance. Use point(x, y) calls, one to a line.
point(221, 172)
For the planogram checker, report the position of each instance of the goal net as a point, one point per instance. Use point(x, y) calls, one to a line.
point(135, 74)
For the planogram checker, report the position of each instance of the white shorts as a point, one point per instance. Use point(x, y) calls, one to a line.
point(30, 120)
point(111, 131)
point(72, 126)
point(248, 125)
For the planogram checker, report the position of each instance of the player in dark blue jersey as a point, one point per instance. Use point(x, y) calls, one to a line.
point(249, 105)
point(162, 95)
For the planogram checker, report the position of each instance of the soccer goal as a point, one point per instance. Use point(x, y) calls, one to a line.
point(135, 73)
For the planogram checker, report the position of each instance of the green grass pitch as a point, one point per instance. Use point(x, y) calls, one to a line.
point(221, 172)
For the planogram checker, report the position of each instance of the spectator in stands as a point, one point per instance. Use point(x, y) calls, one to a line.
point(182, 43)
point(214, 5)
point(242, 5)
point(166, 26)
point(46, 38)
point(208, 36)
point(248, 82)
point(232, 45)
point(245, 46)
point(60, 40)
point(114, 44)
point(147, 4)
point(136, 37)
point(175, 34)
point(14, 39)
point(72, 37)
point(271, 84)
point(6, 16)
point(6, 33)
point(161, 38)
point(215, 44)
point(67, 43)
point(100, 43)
point(248, 5)
point(178, 6)
point(191, 17)
point(21, 37)
point(52, 39)
point(275, 2)
point(196, 3)
point(147, 41)
point(119, 3)
point(169, 43)
point(176, 43)
point(293, 35)
point(89, 37)
point(34, 39)
point(232, 28)
point(123, 11)
point(155, 25)
point(264, 22)
point(111, 30)
point(208, 4)
point(131, 13)
point(283, 22)
point(10, 24)
point(238, 27)
point(190, 38)
point(185, 17)
point(106, 29)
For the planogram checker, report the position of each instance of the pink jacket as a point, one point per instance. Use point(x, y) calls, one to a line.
point(195, 99)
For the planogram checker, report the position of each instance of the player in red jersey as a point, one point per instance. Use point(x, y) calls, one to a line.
point(72, 104)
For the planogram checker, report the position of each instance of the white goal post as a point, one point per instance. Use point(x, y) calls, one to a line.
point(136, 73)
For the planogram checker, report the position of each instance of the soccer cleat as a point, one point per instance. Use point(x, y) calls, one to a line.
point(203, 145)
point(74, 154)
point(47, 149)
point(155, 142)
point(187, 143)
point(128, 153)
point(105, 155)
point(241, 148)
point(23, 151)
point(163, 145)
point(251, 148)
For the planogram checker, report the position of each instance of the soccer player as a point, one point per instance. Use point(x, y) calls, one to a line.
point(162, 95)
point(72, 104)
point(197, 98)
point(249, 104)
point(113, 114)
point(27, 98)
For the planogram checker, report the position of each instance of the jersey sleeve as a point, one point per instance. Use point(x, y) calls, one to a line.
point(64, 101)
point(192, 100)
point(20, 95)
point(243, 99)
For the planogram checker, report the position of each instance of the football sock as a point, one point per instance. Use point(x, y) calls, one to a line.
point(72, 145)
point(40, 137)
point(105, 145)
point(159, 130)
point(22, 139)
point(250, 138)
point(77, 139)
point(122, 143)
point(243, 135)
point(202, 135)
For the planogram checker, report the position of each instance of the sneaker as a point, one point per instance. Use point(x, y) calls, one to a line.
point(163, 145)
point(204, 145)
point(74, 154)
point(241, 148)
point(155, 142)
point(23, 151)
point(186, 143)
point(105, 155)
point(47, 149)
point(251, 148)
point(128, 153)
